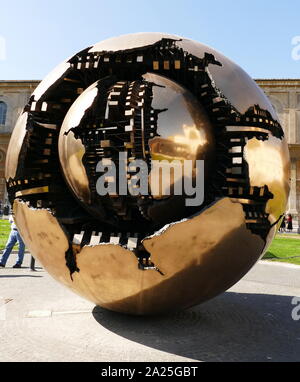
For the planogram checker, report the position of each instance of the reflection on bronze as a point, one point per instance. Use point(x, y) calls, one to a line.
point(154, 97)
point(31, 191)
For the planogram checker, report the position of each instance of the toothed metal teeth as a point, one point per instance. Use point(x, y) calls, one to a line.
point(115, 239)
point(132, 242)
point(95, 239)
point(77, 238)
point(129, 240)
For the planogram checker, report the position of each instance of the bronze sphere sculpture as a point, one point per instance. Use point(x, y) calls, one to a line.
point(133, 101)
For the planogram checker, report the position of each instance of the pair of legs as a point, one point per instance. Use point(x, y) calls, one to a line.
point(13, 238)
point(32, 263)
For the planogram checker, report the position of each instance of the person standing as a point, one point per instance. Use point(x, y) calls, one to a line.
point(14, 237)
point(282, 226)
point(289, 223)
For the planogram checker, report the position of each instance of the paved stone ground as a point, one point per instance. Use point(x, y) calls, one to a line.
point(43, 321)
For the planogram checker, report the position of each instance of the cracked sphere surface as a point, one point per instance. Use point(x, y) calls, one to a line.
point(146, 98)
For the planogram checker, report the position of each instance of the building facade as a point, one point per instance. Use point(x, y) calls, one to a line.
point(13, 97)
point(284, 95)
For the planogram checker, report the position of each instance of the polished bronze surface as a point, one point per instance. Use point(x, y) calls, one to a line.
point(230, 78)
point(15, 143)
point(109, 275)
point(274, 172)
point(71, 150)
point(150, 97)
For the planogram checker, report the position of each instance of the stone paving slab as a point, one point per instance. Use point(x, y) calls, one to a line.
point(40, 320)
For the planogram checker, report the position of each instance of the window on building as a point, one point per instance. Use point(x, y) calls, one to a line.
point(3, 110)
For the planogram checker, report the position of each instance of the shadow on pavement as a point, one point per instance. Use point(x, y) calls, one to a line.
point(12, 276)
point(231, 327)
point(272, 256)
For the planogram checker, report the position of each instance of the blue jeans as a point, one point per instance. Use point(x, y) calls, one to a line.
point(13, 238)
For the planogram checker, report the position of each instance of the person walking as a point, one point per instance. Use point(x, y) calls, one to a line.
point(14, 237)
point(289, 223)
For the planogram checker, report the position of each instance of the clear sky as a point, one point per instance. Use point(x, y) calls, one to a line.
point(36, 35)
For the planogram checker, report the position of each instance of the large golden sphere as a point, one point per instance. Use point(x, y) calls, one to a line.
point(127, 240)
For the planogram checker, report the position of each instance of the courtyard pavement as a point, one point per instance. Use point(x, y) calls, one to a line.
point(40, 320)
